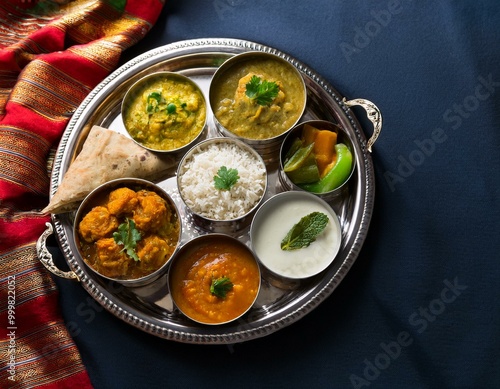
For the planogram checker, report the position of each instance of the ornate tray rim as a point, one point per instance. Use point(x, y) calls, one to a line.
point(217, 335)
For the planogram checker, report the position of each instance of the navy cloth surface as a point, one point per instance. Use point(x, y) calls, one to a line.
point(419, 308)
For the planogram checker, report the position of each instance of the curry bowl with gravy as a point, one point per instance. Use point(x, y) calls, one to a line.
point(214, 279)
point(257, 97)
point(165, 112)
point(127, 230)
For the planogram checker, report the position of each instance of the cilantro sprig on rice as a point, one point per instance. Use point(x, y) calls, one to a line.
point(196, 182)
point(226, 178)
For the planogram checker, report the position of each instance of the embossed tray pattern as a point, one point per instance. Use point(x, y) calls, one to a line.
point(280, 303)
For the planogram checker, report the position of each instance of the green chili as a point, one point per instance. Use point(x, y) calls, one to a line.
point(337, 175)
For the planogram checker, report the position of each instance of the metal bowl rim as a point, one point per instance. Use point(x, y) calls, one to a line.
point(240, 58)
point(282, 153)
point(177, 256)
point(294, 193)
point(239, 143)
point(117, 183)
point(137, 84)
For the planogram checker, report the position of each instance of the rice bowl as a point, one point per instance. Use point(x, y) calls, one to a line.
point(210, 205)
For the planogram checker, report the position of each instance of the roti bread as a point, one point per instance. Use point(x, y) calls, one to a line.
point(106, 155)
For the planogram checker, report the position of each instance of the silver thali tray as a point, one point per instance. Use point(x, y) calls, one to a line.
point(280, 303)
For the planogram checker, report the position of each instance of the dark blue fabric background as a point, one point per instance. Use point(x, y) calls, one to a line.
point(429, 270)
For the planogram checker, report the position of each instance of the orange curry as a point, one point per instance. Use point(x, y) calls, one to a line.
point(193, 276)
point(154, 220)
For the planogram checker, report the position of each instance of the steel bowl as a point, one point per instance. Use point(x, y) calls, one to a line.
point(189, 255)
point(342, 137)
point(203, 220)
point(270, 226)
point(138, 89)
point(268, 148)
point(97, 196)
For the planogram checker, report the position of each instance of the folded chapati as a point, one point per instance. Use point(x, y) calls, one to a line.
point(106, 155)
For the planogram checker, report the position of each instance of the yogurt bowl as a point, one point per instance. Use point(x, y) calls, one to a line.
point(270, 229)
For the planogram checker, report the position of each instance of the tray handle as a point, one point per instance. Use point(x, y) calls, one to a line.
point(374, 115)
point(45, 256)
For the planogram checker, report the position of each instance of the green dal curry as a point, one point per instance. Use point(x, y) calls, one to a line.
point(166, 113)
point(245, 117)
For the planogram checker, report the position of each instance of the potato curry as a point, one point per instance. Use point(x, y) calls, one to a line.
point(129, 235)
point(259, 99)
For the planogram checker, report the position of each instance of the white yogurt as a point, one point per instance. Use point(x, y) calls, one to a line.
point(273, 221)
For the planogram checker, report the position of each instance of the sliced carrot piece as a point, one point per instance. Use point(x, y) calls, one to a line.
point(324, 148)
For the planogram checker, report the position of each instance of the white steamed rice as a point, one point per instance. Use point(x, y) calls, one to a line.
point(196, 181)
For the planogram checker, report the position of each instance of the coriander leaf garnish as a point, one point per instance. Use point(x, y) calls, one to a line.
point(226, 178)
point(156, 102)
point(153, 101)
point(128, 236)
point(220, 286)
point(262, 91)
point(305, 231)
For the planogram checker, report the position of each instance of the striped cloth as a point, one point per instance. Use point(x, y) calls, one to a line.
point(52, 54)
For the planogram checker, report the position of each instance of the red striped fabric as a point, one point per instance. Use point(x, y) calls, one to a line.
point(52, 54)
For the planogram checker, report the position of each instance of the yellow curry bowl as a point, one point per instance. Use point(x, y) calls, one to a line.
point(127, 230)
point(317, 156)
point(257, 97)
point(214, 279)
point(165, 112)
